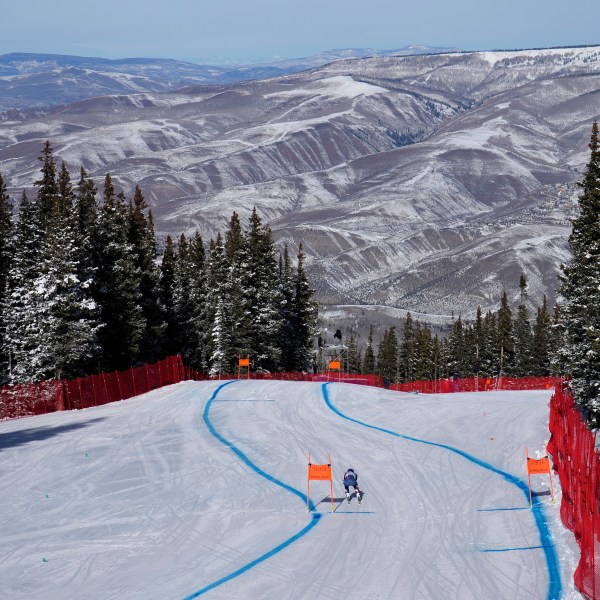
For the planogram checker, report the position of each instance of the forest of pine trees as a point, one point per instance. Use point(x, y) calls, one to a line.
point(510, 342)
point(83, 288)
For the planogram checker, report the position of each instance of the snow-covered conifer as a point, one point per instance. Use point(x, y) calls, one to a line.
point(581, 290)
point(117, 284)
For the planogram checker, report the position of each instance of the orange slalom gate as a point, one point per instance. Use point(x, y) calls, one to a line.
point(244, 363)
point(335, 365)
point(319, 473)
point(538, 466)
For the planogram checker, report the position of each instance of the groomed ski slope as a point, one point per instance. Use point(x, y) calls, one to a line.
point(199, 490)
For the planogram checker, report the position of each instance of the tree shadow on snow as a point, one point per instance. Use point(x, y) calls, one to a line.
point(12, 439)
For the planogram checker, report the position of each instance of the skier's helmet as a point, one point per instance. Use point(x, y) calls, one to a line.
point(350, 470)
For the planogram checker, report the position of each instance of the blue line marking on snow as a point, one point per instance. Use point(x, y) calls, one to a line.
point(244, 400)
point(496, 509)
point(246, 461)
point(314, 521)
point(555, 583)
point(355, 512)
point(511, 549)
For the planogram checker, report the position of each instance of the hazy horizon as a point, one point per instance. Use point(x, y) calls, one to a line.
point(241, 33)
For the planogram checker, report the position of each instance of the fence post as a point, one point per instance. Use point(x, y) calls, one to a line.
point(119, 385)
point(133, 382)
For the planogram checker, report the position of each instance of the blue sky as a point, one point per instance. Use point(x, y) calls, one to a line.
point(251, 30)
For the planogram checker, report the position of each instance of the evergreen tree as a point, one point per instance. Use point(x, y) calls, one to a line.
point(424, 367)
point(219, 342)
point(456, 349)
point(369, 363)
point(85, 222)
point(558, 342)
point(353, 357)
point(540, 355)
point(167, 296)
point(406, 353)
point(522, 334)
point(506, 336)
point(198, 291)
point(305, 312)
point(48, 192)
point(580, 286)
point(264, 300)
point(23, 301)
point(6, 252)
point(490, 352)
point(117, 284)
point(479, 341)
point(286, 332)
point(70, 315)
point(142, 237)
point(387, 355)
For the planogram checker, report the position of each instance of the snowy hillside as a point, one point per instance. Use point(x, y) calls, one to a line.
point(199, 489)
point(424, 183)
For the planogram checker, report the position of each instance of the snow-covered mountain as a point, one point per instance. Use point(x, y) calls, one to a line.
point(38, 81)
point(426, 183)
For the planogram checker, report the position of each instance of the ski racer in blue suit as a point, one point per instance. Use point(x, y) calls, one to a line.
point(351, 480)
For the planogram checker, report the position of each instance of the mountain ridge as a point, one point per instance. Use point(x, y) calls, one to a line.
point(424, 183)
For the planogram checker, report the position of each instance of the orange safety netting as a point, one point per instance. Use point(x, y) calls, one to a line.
point(576, 460)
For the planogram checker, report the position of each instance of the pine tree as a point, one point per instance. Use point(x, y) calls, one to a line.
point(264, 299)
point(6, 253)
point(305, 313)
point(23, 302)
point(506, 340)
point(456, 349)
point(70, 315)
point(559, 347)
point(167, 296)
point(353, 357)
point(522, 334)
point(219, 342)
point(141, 236)
point(286, 332)
point(580, 286)
point(198, 291)
point(490, 351)
point(406, 353)
point(48, 192)
point(423, 352)
point(540, 355)
point(369, 362)
point(117, 284)
point(387, 355)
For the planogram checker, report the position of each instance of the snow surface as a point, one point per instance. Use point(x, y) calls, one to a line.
point(198, 489)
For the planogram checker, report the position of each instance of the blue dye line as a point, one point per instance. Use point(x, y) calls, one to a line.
point(555, 584)
point(314, 521)
point(511, 549)
point(496, 509)
point(251, 465)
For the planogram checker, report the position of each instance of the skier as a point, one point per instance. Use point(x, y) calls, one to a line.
point(351, 480)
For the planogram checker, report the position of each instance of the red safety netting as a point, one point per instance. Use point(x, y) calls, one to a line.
point(478, 384)
point(49, 396)
point(576, 460)
point(358, 379)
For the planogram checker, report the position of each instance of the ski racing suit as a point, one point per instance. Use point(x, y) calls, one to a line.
point(351, 480)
